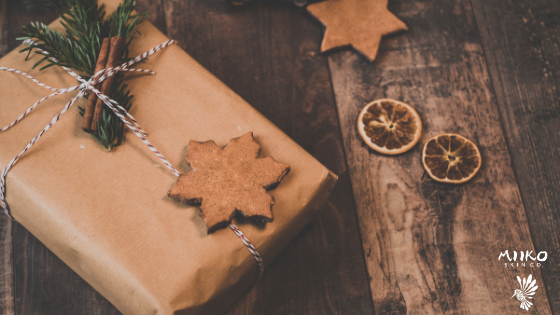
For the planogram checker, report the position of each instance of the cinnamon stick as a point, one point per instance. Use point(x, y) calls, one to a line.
point(92, 99)
point(115, 53)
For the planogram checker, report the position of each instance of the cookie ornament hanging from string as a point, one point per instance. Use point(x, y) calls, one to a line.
point(359, 23)
point(224, 181)
point(229, 181)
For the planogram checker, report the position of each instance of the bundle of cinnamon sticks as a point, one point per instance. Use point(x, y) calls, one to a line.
point(109, 56)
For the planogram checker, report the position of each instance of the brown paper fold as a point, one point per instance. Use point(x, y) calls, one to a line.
point(107, 215)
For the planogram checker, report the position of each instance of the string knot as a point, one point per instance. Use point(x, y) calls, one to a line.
point(83, 87)
point(89, 85)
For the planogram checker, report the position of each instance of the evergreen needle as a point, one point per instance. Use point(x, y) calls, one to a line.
point(78, 47)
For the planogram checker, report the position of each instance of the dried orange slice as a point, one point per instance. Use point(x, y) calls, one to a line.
point(451, 158)
point(389, 126)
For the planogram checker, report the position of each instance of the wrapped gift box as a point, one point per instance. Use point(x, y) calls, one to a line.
point(107, 215)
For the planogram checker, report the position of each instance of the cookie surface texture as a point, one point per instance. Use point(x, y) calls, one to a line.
point(359, 23)
point(229, 180)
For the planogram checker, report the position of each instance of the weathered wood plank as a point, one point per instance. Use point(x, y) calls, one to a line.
point(3, 27)
point(266, 52)
point(433, 248)
point(6, 239)
point(6, 267)
point(45, 285)
point(155, 10)
point(520, 40)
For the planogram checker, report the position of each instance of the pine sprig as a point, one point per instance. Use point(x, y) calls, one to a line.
point(78, 47)
point(111, 128)
point(67, 51)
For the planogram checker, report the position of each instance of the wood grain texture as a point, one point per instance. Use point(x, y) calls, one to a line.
point(3, 27)
point(266, 52)
point(46, 286)
point(6, 267)
point(6, 239)
point(433, 248)
point(156, 15)
point(521, 40)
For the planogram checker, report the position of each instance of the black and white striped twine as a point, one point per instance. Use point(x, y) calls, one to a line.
point(115, 107)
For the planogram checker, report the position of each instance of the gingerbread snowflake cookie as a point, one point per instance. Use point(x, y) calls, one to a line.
point(229, 180)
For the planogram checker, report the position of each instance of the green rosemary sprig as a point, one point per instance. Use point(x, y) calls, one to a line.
point(78, 47)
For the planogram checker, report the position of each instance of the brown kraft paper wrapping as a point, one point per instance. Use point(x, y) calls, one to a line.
point(107, 215)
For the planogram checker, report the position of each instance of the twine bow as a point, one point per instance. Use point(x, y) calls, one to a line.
point(119, 111)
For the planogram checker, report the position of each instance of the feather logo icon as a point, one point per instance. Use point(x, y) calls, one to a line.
point(527, 291)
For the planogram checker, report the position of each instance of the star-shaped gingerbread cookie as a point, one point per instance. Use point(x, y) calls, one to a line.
point(229, 180)
point(360, 23)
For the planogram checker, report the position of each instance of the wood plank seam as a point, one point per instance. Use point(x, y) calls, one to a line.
point(523, 63)
point(345, 155)
point(432, 248)
point(509, 148)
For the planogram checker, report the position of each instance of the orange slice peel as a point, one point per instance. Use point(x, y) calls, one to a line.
point(451, 158)
point(389, 126)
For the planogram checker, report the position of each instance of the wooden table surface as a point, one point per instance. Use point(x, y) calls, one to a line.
point(390, 239)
